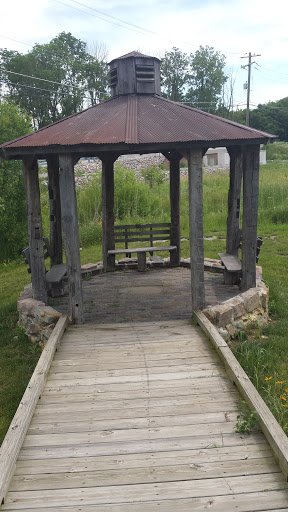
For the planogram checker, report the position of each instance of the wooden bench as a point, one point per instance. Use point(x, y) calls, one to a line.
point(54, 276)
point(233, 266)
point(151, 233)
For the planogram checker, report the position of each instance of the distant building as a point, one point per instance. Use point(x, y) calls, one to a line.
point(219, 157)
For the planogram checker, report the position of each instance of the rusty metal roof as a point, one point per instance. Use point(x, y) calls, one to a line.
point(140, 120)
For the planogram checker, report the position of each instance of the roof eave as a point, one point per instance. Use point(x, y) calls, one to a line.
point(13, 153)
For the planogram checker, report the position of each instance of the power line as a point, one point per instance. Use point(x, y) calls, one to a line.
point(39, 88)
point(112, 17)
point(50, 81)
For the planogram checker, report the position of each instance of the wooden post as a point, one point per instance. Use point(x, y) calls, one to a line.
point(250, 212)
point(196, 227)
point(71, 236)
point(56, 252)
point(234, 200)
point(174, 159)
point(37, 265)
point(108, 242)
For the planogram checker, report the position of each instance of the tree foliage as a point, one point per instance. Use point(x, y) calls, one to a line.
point(197, 78)
point(13, 228)
point(271, 117)
point(174, 74)
point(72, 78)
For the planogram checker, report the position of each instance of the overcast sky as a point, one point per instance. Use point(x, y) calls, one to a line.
point(233, 27)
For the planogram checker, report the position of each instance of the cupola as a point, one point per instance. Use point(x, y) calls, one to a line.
point(135, 73)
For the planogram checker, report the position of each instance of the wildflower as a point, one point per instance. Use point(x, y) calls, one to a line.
point(280, 382)
point(284, 405)
point(286, 390)
point(268, 378)
point(283, 398)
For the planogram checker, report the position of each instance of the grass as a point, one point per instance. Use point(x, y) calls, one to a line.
point(264, 352)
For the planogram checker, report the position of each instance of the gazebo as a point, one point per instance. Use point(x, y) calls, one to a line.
point(137, 120)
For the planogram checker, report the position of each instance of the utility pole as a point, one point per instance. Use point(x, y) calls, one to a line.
point(249, 81)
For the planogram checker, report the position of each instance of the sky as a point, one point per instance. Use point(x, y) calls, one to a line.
point(232, 27)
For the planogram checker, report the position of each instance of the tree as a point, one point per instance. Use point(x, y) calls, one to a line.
point(272, 118)
point(174, 74)
point(71, 77)
point(207, 78)
point(13, 225)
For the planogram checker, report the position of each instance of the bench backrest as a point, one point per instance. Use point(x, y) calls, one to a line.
point(141, 233)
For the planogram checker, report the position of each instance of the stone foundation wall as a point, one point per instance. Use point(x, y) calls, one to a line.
point(246, 309)
point(37, 319)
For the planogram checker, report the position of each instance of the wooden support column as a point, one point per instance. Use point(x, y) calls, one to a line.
point(37, 264)
point(56, 252)
point(250, 213)
point(108, 242)
point(234, 200)
point(174, 159)
point(194, 157)
point(71, 236)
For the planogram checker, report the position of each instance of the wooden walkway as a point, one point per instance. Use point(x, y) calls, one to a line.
point(138, 418)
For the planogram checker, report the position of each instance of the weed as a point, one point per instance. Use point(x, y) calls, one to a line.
point(246, 420)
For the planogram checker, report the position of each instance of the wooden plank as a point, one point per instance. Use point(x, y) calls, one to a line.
point(56, 273)
point(14, 438)
point(159, 474)
point(141, 226)
point(143, 249)
point(88, 365)
point(106, 389)
point(196, 227)
point(256, 501)
point(131, 379)
point(250, 213)
point(37, 264)
point(56, 251)
point(274, 433)
point(140, 446)
point(137, 371)
point(152, 492)
point(71, 236)
point(152, 232)
point(174, 158)
point(138, 408)
point(234, 199)
point(108, 211)
point(144, 460)
point(231, 262)
point(90, 421)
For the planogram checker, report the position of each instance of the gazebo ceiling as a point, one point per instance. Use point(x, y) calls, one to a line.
point(134, 122)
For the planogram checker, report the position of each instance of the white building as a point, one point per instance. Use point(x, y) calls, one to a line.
point(219, 157)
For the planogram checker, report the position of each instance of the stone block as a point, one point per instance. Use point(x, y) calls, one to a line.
point(224, 315)
point(251, 300)
point(237, 303)
point(210, 314)
point(27, 292)
point(46, 315)
point(29, 306)
point(264, 298)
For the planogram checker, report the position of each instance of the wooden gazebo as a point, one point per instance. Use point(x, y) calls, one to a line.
point(137, 120)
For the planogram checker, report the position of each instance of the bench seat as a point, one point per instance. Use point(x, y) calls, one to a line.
point(56, 273)
point(141, 253)
point(232, 268)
